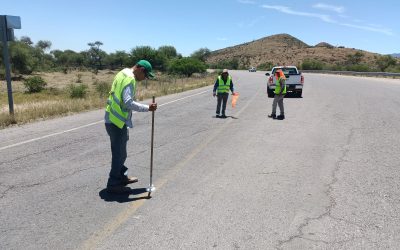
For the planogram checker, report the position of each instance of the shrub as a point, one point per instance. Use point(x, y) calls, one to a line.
point(186, 66)
point(265, 66)
point(34, 84)
point(393, 69)
point(312, 64)
point(77, 91)
point(102, 88)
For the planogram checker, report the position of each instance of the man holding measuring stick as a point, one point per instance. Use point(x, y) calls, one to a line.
point(118, 118)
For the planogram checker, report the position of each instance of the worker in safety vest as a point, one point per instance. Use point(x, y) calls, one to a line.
point(118, 117)
point(280, 92)
point(221, 89)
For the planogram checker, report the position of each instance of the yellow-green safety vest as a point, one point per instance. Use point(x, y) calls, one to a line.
point(222, 86)
point(278, 87)
point(117, 114)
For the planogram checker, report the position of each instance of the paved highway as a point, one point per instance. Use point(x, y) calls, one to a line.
point(326, 177)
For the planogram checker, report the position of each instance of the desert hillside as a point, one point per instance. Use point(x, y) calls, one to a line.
point(286, 49)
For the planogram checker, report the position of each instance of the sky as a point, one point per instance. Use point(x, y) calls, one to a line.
point(189, 25)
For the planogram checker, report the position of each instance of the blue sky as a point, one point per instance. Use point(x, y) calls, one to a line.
point(214, 24)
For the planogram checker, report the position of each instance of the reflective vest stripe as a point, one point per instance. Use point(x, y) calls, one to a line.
point(117, 114)
point(222, 86)
point(116, 99)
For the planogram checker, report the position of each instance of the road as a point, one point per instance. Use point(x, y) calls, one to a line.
point(326, 177)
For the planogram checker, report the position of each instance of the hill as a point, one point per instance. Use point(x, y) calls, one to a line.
point(397, 55)
point(286, 49)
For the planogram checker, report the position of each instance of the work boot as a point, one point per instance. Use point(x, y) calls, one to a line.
point(273, 116)
point(118, 189)
point(129, 180)
point(280, 117)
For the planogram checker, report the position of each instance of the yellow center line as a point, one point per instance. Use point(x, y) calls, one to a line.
point(99, 236)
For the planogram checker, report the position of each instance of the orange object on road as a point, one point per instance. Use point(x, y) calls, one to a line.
point(235, 96)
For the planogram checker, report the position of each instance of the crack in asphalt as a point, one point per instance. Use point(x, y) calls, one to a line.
point(328, 193)
point(3, 194)
point(47, 150)
point(8, 188)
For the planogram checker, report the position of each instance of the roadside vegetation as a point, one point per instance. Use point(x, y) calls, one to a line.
point(55, 83)
point(48, 83)
point(354, 62)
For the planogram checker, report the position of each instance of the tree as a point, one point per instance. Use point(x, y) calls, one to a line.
point(26, 39)
point(186, 66)
point(168, 51)
point(157, 60)
point(118, 59)
point(43, 45)
point(22, 58)
point(201, 54)
point(68, 58)
point(96, 55)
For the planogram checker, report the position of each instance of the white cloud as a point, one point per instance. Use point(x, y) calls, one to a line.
point(328, 19)
point(287, 10)
point(322, 6)
point(388, 32)
point(246, 1)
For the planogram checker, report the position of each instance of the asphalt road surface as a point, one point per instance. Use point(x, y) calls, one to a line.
point(326, 177)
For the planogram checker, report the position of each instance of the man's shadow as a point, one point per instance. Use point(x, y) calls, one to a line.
point(123, 197)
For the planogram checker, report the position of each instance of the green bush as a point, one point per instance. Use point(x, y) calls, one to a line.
point(226, 64)
point(77, 91)
point(34, 84)
point(393, 69)
point(102, 88)
point(265, 66)
point(312, 64)
point(186, 66)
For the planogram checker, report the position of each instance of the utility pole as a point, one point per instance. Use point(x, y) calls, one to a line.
point(7, 26)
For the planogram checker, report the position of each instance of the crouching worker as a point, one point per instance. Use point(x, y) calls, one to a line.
point(118, 118)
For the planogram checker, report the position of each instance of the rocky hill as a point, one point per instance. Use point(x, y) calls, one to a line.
point(286, 49)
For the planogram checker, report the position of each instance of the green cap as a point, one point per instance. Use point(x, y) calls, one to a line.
point(147, 66)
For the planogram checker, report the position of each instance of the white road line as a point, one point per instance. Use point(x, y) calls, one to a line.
point(87, 125)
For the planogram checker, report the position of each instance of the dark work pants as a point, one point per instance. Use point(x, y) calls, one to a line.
point(118, 138)
point(278, 99)
point(222, 97)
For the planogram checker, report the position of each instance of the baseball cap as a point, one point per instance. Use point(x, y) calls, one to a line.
point(225, 71)
point(146, 64)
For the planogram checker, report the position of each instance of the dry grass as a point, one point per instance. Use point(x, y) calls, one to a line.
point(55, 101)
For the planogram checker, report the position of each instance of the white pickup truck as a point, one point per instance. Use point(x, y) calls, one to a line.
point(294, 80)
